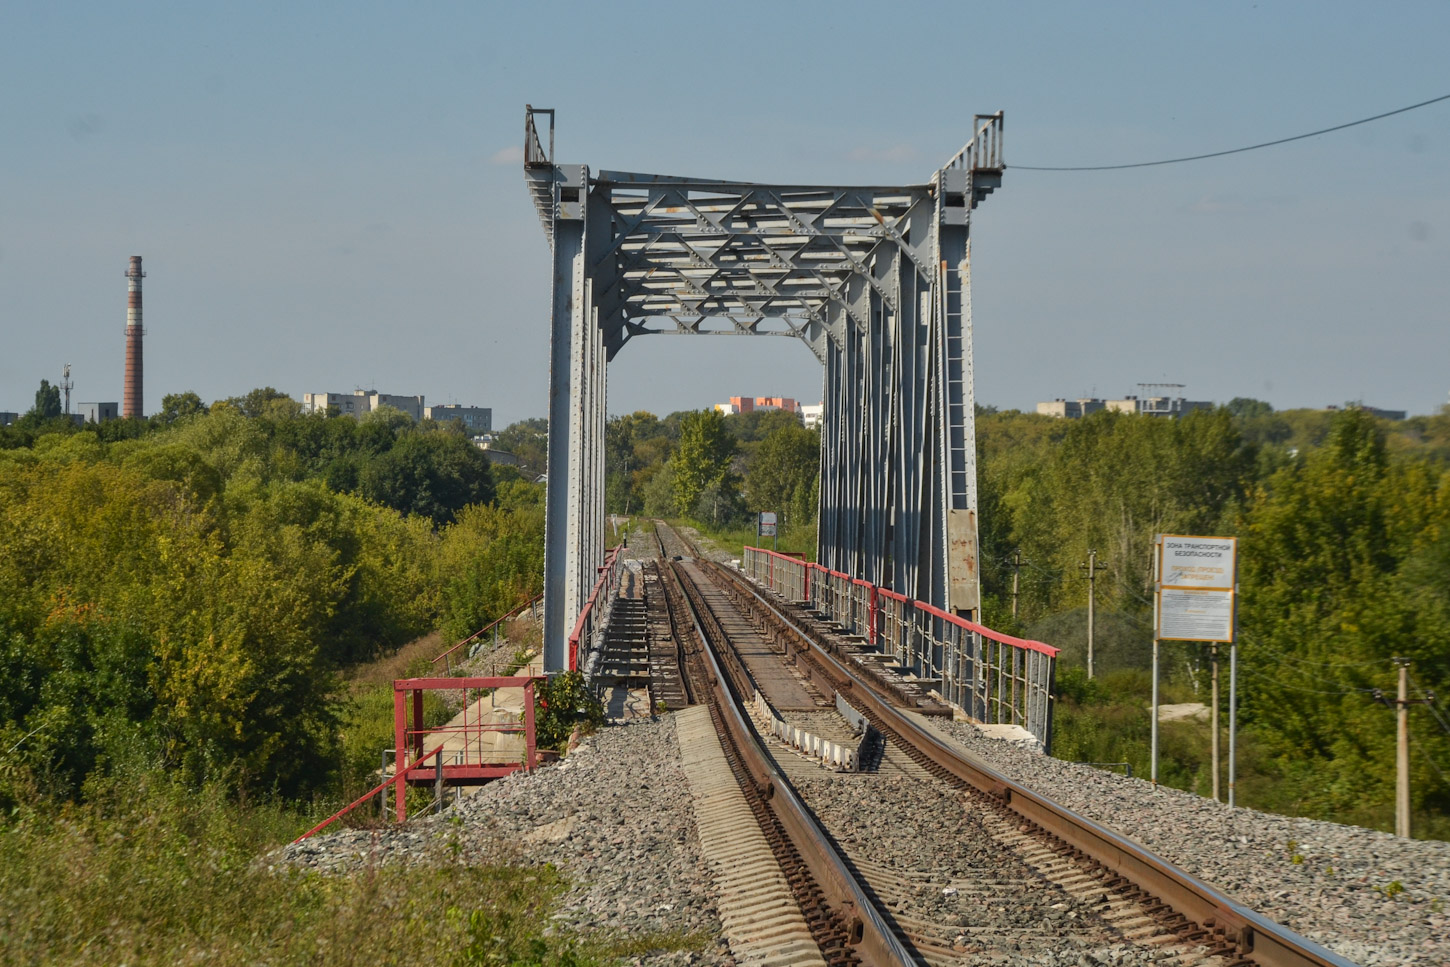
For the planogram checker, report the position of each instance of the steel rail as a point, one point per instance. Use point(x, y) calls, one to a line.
point(1269, 943)
point(872, 938)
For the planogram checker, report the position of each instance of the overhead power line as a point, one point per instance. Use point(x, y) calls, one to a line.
point(1251, 147)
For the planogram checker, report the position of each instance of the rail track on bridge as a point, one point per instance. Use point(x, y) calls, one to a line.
point(906, 849)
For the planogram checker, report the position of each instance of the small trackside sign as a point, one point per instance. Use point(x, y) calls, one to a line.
point(766, 527)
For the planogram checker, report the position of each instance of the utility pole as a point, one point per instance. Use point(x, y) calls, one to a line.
point(1402, 744)
point(1016, 572)
point(1213, 650)
point(1092, 567)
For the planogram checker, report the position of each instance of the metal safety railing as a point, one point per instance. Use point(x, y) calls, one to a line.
point(984, 151)
point(381, 787)
point(471, 750)
point(595, 612)
point(535, 156)
point(994, 678)
point(494, 626)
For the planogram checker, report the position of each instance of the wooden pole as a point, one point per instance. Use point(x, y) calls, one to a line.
point(1402, 752)
point(1213, 719)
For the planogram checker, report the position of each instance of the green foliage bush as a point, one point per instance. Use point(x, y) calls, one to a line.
point(562, 703)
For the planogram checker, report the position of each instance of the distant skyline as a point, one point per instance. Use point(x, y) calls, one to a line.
point(329, 196)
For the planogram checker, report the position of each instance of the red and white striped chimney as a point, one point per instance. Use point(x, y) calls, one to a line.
point(131, 398)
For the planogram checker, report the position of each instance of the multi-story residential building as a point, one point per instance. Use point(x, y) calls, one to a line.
point(476, 419)
point(360, 402)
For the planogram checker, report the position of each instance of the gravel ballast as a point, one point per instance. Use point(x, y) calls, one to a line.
point(1368, 896)
point(615, 816)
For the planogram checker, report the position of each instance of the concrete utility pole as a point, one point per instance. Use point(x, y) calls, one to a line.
point(1092, 567)
point(1016, 572)
point(1402, 705)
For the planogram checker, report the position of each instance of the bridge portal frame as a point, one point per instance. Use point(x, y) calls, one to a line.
point(875, 280)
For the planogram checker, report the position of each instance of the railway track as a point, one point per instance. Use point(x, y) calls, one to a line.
point(919, 854)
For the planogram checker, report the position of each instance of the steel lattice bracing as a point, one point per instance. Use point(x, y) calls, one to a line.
point(875, 280)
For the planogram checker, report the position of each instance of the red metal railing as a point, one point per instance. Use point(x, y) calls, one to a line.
point(994, 678)
point(592, 615)
point(491, 626)
point(392, 780)
point(464, 756)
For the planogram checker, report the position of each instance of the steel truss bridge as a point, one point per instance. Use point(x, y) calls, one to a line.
point(876, 280)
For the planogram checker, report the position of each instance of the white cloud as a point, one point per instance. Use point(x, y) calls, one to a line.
point(512, 155)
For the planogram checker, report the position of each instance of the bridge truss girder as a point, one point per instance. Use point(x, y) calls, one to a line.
point(875, 280)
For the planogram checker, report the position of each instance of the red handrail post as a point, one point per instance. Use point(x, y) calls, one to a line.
point(417, 722)
point(874, 611)
point(400, 749)
point(529, 740)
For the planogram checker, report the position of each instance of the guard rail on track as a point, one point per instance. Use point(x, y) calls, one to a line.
point(872, 941)
point(1270, 944)
point(994, 678)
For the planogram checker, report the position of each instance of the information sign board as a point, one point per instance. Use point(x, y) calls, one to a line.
point(1194, 599)
point(767, 523)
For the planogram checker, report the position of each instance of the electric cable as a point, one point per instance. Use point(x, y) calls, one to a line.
point(1245, 670)
point(1431, 705)
point(1220, 154)
point(1427, 757)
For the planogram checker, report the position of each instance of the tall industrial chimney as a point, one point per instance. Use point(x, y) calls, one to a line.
point(131, 398)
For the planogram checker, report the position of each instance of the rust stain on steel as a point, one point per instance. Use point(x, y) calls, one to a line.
point(962, 559)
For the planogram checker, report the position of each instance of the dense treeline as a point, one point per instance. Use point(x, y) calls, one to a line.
point(182, 591)
point(1344, 527)
point(715, 469)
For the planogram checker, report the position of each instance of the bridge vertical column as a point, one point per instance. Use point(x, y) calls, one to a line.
point(568, 493)
point(953, 499)
point(955, 571)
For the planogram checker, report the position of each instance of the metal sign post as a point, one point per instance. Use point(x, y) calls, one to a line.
point(1195, 599)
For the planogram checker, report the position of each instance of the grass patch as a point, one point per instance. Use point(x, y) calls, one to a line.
point(147, 872)
point(411, 660)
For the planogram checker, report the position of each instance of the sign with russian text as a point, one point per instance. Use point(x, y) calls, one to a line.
point(1194, 599)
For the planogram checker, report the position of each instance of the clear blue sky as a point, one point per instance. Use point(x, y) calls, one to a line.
point(328, 196)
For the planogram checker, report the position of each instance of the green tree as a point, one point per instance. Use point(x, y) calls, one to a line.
point(254, 403)
point(529, 441)
point(784, 473)
point(47, 401)
point(703, 459)
point(1111, 483)
point(431, 474)
point(1341, 571)
point(178, 406)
